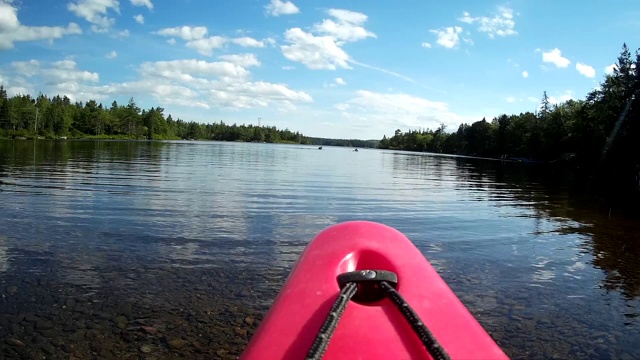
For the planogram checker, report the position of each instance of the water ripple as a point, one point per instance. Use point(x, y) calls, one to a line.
point(528, 260)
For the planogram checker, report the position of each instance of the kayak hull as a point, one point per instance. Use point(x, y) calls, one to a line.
point(373, 330)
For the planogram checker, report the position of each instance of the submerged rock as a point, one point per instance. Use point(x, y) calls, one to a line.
point(43, 325)
point(121, 322)
point(15, 342)
point(176, 343)
point(149, 330)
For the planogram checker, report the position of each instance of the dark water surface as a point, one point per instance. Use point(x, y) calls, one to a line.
point(154, 250)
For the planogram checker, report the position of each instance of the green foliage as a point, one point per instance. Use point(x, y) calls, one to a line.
point(601, 134)
point(23, 116)
point(344, 142)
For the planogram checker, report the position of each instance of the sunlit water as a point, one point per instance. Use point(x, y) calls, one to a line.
point(174, 223)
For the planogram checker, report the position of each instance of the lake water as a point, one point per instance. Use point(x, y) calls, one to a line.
point(127, 250)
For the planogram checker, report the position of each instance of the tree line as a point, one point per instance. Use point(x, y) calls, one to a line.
point(22, 116)
point(599, 135)
point(344, 142)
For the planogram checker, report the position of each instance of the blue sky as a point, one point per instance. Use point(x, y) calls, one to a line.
point(342, 69)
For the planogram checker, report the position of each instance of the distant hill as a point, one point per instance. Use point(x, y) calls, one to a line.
point(344, 142)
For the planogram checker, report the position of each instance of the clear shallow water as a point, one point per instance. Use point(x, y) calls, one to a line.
point(196, 237)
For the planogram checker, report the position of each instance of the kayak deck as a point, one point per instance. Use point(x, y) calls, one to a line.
point(375, 330)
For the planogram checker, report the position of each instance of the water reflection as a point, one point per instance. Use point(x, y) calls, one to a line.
point(610, 240)
point(521, 232)
point(539, 267)
point(616, 251)
point(4, 255)
point(193, 191)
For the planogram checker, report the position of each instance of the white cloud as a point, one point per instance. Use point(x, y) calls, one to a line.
point(186, 69)
point(219, 84)
point(347, 26)
point(146, 3)
point(501, 24)
point(426, 45)
point(525, 74)
point(586, 70)
point(555, 57)
point(448, 37)
point(11, 30)
point(323, 50)
point(243, 60)
point(95, 12)
point(466, 18)
point(122, 34)
point(386, 111)
point(139, 19)
point(112, 55)
point(67, 71)
point(16, 83)
point(163, 92)
point(609, 69)
point(564, 97)
point(186, 33)
point(288, 67)
point(254, 94)
point(171, 41)
point(18, 90)
point(205, 46)
point(187, 82)
point(342, 107)
point(278, 7)
point(348, 16)
point(340, 81)
point(9, 17)
point(533, 99)
point(248, 42)
point(511, 99)
point(26, 68)
point(196, 39)
point(215, 84)
point(61, 77)
point(316, 52)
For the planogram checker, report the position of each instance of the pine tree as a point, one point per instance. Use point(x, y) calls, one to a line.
point(5, 117)
point(545, 106)
point(623, 73)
